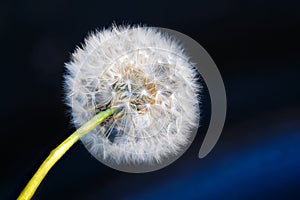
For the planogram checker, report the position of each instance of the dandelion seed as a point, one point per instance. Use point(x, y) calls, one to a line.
point(146, 73)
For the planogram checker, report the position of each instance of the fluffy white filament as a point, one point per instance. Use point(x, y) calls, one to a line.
point(147, 74)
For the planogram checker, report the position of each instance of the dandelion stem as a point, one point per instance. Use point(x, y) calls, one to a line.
point(59, 151)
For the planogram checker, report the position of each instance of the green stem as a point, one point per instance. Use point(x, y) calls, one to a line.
point(59, 151)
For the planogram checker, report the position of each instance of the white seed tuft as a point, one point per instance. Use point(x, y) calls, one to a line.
point(147, 74)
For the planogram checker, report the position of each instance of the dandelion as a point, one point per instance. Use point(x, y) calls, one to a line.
point(147, 74)
point(134, 99)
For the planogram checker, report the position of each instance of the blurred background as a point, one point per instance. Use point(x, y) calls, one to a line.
point(255, 45)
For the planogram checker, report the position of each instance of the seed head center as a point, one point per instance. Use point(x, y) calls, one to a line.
point(135, 89)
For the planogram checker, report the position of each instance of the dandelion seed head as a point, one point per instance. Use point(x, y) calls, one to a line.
point(147, 74)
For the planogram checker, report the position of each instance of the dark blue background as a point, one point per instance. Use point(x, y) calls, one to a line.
point(255, 45)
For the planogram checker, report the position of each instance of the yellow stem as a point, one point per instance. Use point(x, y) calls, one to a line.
point(59, 151)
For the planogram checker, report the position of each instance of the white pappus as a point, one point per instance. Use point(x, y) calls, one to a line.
point(148, 75)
